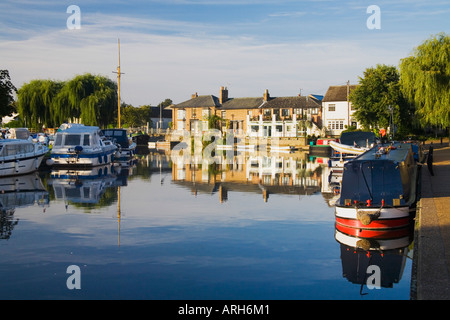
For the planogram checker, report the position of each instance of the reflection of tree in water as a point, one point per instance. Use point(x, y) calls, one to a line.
point(107, 198)
point(7, 223)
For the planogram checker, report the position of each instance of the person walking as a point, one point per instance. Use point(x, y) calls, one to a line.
point(430, 159)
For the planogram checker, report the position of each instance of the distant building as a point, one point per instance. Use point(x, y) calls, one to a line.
point(263, 116)
point(337, 109)
point(161, 117)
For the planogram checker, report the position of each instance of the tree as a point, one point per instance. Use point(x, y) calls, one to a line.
point(91, 98)
point(130, 115)
point(425, 80)
point(7, 90)
point(379, 97)
point(36, 102)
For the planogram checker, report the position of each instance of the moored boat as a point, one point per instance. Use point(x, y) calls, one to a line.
point(379, 189)
point(80, 145)
point(19, 156)
point(126, 146)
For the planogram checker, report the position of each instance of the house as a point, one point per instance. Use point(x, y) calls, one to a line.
point(337, 109)
point(263, 116)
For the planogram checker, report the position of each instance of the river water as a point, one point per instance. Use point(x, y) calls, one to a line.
point(258, 227)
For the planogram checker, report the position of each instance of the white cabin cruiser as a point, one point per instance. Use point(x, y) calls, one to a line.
point(19, 156)
point(80, 145)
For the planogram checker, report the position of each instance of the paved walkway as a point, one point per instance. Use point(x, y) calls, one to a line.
point(432, 265)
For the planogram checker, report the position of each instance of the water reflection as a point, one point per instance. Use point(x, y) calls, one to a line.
point(19, 192)
point(267, 231)
point(262, 174)
point(388, 251)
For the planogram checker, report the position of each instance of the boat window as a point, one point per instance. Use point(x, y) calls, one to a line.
point(86, 140)
point(58, 140)
point(72, 139)
point(11, 150)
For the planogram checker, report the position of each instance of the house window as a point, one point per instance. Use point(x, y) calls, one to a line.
point(206, 113)
point(336, 125)
point(267, 112)
point(181, 114)
point(331, 107)
point(314, 110)
point(285, 112)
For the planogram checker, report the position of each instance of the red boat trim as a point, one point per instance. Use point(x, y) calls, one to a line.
point(374, 233)
point(376, 224)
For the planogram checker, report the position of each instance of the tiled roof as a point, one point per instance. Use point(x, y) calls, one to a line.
point(337, 93)
point(199, 102)
point(292, 102)
point(242, 103)
point(250, 102)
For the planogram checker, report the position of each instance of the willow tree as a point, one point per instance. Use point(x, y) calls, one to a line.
point(36, 102)
point(90, 98)
point(425, 80)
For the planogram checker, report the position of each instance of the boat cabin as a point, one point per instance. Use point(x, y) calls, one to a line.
point(118, 136)
point(81, 137)
point(383, 176)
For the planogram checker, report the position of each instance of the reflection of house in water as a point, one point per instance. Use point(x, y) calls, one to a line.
point(82, 186)
point(268, 174)
point(19, 192)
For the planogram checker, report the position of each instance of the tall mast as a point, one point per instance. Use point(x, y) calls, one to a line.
point(118, 86)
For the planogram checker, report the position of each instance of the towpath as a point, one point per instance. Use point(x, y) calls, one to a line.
point(431, 277)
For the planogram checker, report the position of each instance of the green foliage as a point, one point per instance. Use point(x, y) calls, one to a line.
point(378, 91)
point(36, 102)
point(92, 99)
point(425, 80)
point(7, 90)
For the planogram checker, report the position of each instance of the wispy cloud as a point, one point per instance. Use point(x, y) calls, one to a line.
point(179, 47)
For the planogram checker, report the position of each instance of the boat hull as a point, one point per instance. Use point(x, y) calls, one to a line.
point(19, 166)
point(94, 158)
point(347, 149)
point(364, 221)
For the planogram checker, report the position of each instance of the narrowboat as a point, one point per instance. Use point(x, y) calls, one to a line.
point(379, 189)
point(126, 147)
point(80, 145)
point(19, 156)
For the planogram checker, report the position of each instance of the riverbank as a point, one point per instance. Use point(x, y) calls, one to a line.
point(431, 276)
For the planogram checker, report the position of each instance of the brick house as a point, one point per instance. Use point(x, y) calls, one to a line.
point(263, 116)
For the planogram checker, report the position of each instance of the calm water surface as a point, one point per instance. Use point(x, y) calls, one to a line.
point(257, 228)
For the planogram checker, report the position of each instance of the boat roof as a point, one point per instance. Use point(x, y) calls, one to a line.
point(80, 129)
point(14, 141)
point(396, 152)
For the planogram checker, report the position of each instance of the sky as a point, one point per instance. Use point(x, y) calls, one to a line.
point(175, 48)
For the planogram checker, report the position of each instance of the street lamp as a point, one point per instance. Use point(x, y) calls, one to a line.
point(391, 121)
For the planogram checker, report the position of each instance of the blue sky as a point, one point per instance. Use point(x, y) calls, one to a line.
point(173, 48)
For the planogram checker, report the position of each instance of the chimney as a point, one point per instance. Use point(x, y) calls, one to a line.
point(266, 95)
point(195, 95)
point(223, 96)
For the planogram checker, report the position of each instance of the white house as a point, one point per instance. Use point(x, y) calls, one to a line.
point(337, 110)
